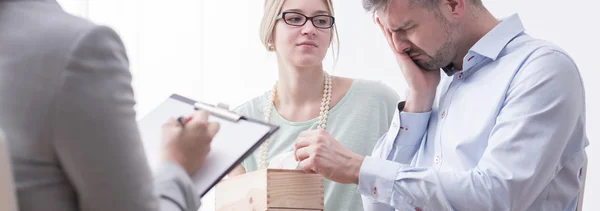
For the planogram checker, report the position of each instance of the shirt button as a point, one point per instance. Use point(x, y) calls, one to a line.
point(395, 124)
point(418, 209)
point(443, 114)
point(437, 159)
point(460, 76)
point(375, 191)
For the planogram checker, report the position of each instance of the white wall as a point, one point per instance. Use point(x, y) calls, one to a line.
point(164, 43)
point(210, 50)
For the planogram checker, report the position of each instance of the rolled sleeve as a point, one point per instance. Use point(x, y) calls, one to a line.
point(176, 188)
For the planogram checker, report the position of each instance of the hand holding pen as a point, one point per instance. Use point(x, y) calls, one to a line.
point(187, 140)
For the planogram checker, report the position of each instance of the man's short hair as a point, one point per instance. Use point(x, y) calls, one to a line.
point(376, 5)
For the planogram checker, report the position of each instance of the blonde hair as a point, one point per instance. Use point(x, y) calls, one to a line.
point(267, 25)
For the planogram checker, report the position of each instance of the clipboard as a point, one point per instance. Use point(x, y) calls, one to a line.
point(238, 137)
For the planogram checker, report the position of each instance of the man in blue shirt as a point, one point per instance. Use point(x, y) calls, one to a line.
point(494, 119)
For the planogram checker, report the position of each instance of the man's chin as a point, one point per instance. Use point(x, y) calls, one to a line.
point(426, 67)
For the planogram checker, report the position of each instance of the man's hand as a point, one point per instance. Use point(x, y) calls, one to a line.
point(319, 152)
point(188, 145)
point(422, 83)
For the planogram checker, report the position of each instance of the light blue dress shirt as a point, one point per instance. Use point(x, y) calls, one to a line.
point(505, 133)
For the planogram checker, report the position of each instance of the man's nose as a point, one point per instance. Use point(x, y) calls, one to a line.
point(402, 45)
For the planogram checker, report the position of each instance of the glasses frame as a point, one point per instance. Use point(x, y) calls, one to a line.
point(282, 15)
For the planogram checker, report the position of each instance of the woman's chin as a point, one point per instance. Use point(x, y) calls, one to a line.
point(308, 61)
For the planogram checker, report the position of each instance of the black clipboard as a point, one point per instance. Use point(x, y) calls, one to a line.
point(237, 138)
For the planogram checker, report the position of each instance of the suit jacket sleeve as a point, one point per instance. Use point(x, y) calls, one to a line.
point(96, 136)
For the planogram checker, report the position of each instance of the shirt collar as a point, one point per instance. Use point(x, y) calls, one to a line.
point(492, 43)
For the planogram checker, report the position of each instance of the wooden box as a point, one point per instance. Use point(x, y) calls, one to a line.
point(271, 190)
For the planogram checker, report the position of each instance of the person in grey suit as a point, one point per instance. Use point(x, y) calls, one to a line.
point(66, 108)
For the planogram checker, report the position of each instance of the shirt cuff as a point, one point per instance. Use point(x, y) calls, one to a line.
point(376, 179)
point(412, 125)
point(370, 205)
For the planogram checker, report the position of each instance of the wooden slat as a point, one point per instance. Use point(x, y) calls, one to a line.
point(294, 189)
point(277, 190)
point(243, 192)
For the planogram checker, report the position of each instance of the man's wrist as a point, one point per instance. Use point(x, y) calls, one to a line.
point(415, 108)
point(356, 165)
point(419, 103)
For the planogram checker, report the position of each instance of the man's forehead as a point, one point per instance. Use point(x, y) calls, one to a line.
point(389, 20)
point(397, 12)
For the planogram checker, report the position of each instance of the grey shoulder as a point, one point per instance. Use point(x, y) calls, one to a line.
point(57, 24)
point(83, 32)
point(53, 31)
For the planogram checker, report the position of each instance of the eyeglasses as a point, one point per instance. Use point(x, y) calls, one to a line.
point(298, 19)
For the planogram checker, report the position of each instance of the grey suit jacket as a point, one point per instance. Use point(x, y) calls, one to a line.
point(66, 108)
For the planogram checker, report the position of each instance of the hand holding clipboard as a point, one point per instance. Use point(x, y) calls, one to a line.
point(237, 137)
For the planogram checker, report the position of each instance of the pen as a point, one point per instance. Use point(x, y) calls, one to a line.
point(182, 120)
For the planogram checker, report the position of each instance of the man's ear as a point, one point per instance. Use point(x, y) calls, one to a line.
point(456, 8)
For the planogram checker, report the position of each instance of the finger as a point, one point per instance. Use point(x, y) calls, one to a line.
point(404, 58)
point(378, 21)
point(213, 128)
point(383, 29)
point(303, 142)
point(188, 119)
point(200, 115)
point(387, 34)
point(406, 63)
point(199, 121)
point(303, 153)
point(171, 122)
point(307, 133)
point(307, 166)
point(322, 133)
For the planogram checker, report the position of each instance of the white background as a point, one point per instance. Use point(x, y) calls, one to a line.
point(210, 50)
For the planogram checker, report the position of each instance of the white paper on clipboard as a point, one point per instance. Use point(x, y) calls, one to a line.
point(233, 143)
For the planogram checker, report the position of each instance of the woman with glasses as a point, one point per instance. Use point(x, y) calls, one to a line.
point(356, 112)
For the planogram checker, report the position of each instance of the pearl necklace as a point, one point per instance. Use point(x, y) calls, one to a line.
point(264, 148)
